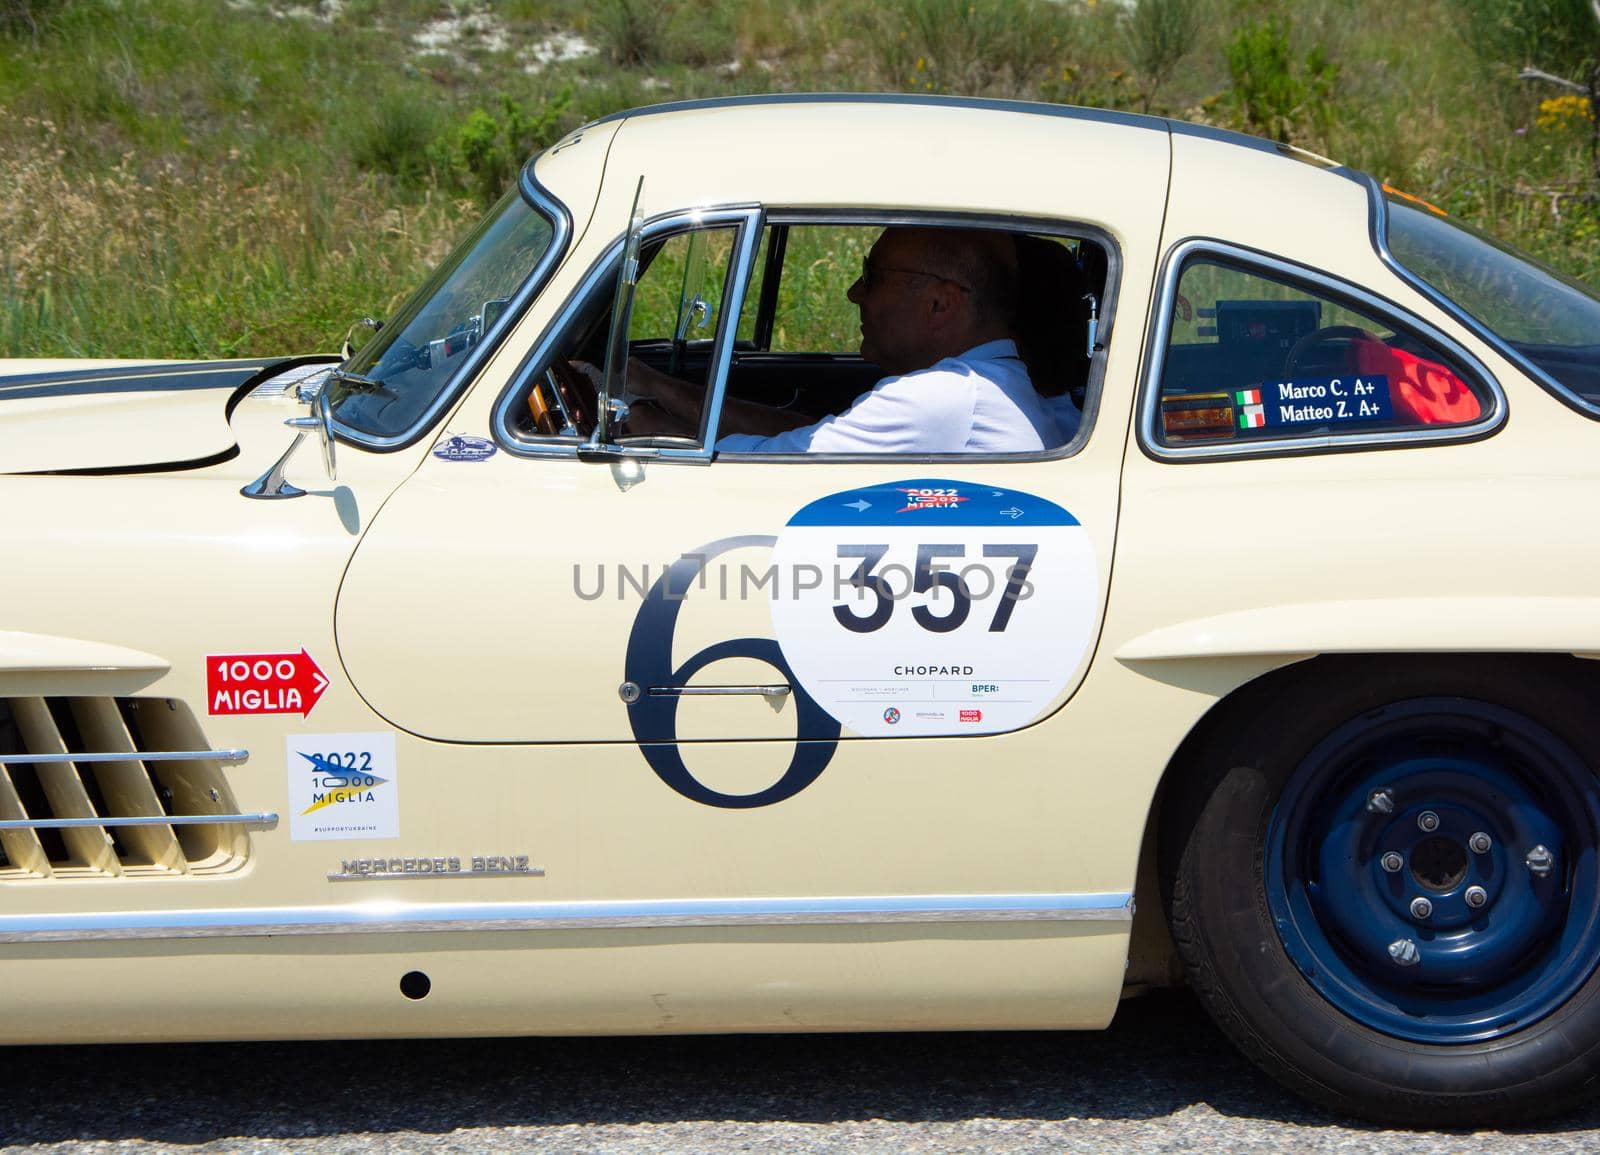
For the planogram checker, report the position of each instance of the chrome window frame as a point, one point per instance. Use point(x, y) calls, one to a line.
point(747, 219)
point(1378, 232)
point(544, 202)
point(1316, 281)
point(1043, 226)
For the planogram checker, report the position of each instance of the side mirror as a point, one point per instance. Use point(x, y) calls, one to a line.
point(272, 484)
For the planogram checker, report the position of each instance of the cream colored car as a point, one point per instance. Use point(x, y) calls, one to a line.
point(513, 721)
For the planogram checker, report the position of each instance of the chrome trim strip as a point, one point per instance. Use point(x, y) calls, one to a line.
point(1249, 260)
point(228, 757)
point(545, 203)
point(776, 690)
point(744, 257)
point(381, 917)
point(265, 819)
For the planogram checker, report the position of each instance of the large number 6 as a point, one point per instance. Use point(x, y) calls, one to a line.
point(654, 717)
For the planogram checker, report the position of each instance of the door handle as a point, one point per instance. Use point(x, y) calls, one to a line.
point(778, 690)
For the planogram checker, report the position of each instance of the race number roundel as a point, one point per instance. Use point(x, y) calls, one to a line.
point(933, 607)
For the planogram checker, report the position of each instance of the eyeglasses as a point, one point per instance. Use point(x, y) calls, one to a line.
point(872, 276)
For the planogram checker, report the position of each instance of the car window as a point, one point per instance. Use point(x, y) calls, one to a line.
point(799, 345)
point(400, 373)
point(812, 314)
point(1252, 357)
point(1547, 318)
point(680, 298)
point(677, 306)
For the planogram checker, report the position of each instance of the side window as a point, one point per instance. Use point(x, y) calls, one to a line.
point(679, 300)
point(676, 311)
point(831, 301)
point(1252, 357)
point(812, 313)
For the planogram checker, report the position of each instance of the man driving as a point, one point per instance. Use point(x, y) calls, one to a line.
point(937, 313)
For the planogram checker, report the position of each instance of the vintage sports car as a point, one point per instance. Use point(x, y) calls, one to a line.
point(1276, 673)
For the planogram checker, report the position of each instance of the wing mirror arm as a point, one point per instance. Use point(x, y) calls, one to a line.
point(272, 484)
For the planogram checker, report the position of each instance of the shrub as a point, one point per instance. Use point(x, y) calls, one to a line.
point(486, 151)
point(395, 137)
point(1159, 34)
point(1561, 36)
point(1272, 95)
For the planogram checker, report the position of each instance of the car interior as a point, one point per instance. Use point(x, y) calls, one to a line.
point(796, 342)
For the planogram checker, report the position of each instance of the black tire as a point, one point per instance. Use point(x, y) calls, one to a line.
point(1259, 819)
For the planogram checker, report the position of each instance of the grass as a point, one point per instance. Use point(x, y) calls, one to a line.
point(179, 177)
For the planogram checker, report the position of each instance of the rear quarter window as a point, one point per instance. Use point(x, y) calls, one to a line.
point(1252, 356)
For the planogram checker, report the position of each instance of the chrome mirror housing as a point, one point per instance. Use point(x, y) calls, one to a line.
point(272, 484)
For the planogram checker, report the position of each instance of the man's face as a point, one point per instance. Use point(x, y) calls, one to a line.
point(895, 296)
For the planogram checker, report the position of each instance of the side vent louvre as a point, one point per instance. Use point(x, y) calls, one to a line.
point(114, 787)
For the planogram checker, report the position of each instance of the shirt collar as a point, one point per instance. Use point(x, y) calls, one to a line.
point(990, 350)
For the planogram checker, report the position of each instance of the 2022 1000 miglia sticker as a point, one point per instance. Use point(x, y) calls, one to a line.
point(943, 607)
point(342, 786)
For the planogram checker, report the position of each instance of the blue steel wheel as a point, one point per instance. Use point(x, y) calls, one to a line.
point(1384, 880)
point(1431, 869)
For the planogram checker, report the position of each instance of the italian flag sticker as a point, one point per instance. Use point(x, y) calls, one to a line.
point(1252, 414)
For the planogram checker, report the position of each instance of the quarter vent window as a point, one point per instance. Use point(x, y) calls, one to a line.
point(114, 787)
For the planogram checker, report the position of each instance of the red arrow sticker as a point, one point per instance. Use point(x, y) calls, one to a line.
point(263, 683)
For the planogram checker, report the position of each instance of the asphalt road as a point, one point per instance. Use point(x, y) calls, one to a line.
point(1161, 1079)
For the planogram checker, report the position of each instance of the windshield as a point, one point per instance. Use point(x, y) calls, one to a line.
point(389, 385)
point(1550, 320)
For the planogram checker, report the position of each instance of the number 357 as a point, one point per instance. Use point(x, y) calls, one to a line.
point(933, 573)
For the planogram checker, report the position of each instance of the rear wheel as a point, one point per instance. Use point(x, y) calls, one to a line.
point(1385, 885)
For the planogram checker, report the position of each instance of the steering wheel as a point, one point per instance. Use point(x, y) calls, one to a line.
point(1337, 337)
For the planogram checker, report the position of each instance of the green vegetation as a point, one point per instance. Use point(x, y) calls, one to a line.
point(186, 177)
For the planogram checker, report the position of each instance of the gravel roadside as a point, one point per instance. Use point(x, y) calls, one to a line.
point(1161, 1079)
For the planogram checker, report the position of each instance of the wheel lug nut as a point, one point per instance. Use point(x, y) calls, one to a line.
point(1404, 952)
point(1476, 896)
point(1421, 908)
point(1540, 861)
point(1480, 843)
point(1391, 862)
point(1428, 821)
point(1380, 802)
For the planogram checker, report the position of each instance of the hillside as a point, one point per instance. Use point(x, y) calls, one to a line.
point(191, 178)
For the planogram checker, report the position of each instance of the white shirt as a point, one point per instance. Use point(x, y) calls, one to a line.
point(979, 402)
point(1065, 413)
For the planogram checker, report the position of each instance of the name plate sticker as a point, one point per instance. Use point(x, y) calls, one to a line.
point(263, 683)
point(342, 786)
point(1311, 401)
point(934, 607)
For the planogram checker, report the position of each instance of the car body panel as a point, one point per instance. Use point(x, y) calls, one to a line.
point(118, 415)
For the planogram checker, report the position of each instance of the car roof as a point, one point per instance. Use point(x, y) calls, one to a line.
point(1014, 107)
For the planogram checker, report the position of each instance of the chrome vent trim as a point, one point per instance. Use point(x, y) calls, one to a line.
point(102, 787)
